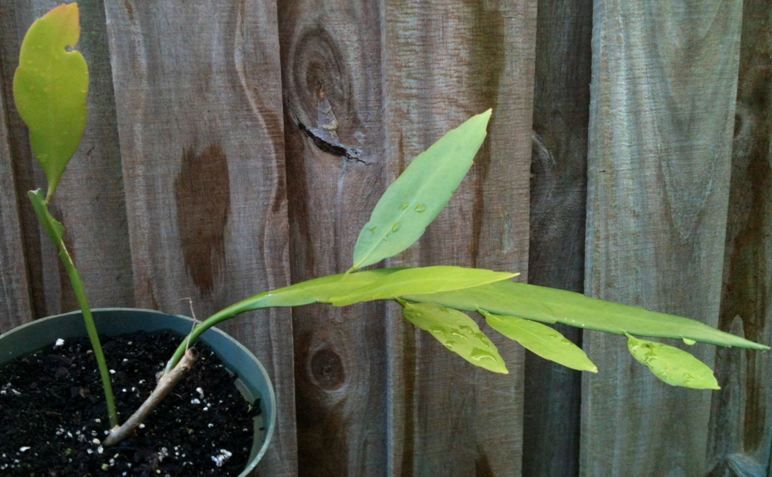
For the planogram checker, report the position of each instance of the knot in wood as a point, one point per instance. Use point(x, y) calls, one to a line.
point(327, 369)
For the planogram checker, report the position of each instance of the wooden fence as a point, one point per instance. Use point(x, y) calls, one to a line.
point(628, 157)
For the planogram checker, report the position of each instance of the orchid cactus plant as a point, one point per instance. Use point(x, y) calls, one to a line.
point(50, 89)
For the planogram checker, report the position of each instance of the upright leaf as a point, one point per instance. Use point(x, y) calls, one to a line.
point(412, 202)
point(549, 305)
point(541, 340)
point(672, 365)
point(50, 88)
point(415, 281)
point(457, 332)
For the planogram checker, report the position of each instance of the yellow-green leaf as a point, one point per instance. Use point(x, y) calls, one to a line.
point(549, 305)
point(457, 332)
point(541, 340)
point(412, 202)
point(317, 290)
point(672, 365)
point(50, 88)
point(415, 281)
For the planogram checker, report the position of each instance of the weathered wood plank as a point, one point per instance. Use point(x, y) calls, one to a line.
point(334, 132)
point(741, 418)
point(15, 305)
point(198, 100)
point(13, 22)
point(558, 197)
point(661, 118)
point(95, 216)
point(442, 63)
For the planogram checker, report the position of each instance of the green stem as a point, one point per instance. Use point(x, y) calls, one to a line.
point(93, 335)
point(222, 315)
point(56, 231)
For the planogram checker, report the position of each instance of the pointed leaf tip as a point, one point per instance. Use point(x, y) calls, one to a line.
point(420, 193)
point(541, 340)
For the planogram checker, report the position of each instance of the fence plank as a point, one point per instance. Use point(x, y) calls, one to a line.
point(14, 19)
point(331, 73)
point(558, 197)
point(198, 98)
point(15, 306)
point(443, 63)
point(95, 216)
point(741, 418)
point(661, 120)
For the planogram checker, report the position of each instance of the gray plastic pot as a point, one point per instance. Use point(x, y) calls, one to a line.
point(252, 379)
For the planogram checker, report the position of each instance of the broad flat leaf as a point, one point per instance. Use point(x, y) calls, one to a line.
point(457, 332)
point(549, 305)
point(674, 366)
point(415, 281)
point(412, 202)
point(541, 340)
point(53, 227)
point(50, 88)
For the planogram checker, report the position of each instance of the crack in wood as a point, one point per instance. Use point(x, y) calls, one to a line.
point(328, 142)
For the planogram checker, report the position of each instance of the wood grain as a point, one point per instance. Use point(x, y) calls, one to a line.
point(334, 132)
point(15, 305)
point(198, 101)
point(95, 216)
point(741, 418)
point(556, 249)
point(443, 63)
point(661, 120)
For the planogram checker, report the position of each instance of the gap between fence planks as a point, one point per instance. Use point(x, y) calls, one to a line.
point(198, 100)
point(661, 119)
point(556, 250)
point(740, 431)
point(442, 63)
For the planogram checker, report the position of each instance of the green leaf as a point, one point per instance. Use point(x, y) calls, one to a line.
point(53, 227)
point(457, 332)
point(317, 290)
point(541, 340)
point(549, 305)
point(416, 281)
point(50, 88)
point(674, 366)
point(412, 202)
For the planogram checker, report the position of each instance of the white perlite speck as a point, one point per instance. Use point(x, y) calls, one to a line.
point(222, 457)
point(26, 448)
point(59, 342)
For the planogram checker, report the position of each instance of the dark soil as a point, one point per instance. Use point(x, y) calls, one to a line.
point(52, 413)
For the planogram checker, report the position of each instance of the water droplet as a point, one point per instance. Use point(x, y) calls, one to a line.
point(403, 206)
point(688, 341)
point(395, 227)
point(481, 355)
point(420, 208)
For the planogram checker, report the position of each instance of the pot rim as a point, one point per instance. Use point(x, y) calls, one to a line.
point(269, 400)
